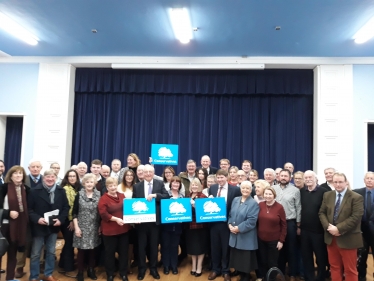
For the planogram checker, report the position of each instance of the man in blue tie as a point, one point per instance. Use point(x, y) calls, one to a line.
point(367, 193)
point(340, 214)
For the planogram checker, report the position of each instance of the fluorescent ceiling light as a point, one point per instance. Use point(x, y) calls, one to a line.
point(181, 24)
point(365, 33)
point(259, 66)
point(16, 30)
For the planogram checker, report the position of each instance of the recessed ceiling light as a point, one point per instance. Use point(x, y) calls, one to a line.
point(17, 30)
point(180, 21)
point(365, 33)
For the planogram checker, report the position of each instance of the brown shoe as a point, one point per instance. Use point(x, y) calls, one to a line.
point(213, 275)
point(49, 278)
point(19, 273)
point(226, 277)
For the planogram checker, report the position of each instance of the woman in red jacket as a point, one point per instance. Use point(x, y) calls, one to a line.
point(115, 232)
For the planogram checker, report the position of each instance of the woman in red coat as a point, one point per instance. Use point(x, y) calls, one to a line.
point(115, 232)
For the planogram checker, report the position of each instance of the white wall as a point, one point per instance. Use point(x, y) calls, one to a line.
point(363, 108)
point(18, 96)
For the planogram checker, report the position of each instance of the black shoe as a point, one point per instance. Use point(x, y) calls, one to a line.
point(193, 272)
point(91, 273)
point(234, 273)
point(140, 275)
point(2, 271)
point(175, 271)
point(198, 274)
point(124, 278)
point(166, 270)
point(109, 278)
point(155, 274)
point(80, 276)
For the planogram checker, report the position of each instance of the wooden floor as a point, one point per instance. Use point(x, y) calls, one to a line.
point(184, 272)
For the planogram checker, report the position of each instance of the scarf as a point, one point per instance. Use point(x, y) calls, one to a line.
point(51, 192)
point(18, 226)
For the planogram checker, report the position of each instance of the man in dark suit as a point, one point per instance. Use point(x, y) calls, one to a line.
point(2, 170)
point(340, 214)
point(205, 163)
point(328, 185)
point(96, 169)
point(247, 167)
point(219, 231)
point(34, 178)
point(43, 198)
point(367, 193)
point(148, 233)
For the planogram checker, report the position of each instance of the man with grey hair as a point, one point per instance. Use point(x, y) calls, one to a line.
point(45, 197)
point(205, 163)
point(367, 193)
point(269, 176)
point(81, 170)
point(148, 232)
point(329, 173)
point(105, 171)
point(56, 167)
point(311, 230)
point(277, 171)
point(34, 178)
point(116, 168)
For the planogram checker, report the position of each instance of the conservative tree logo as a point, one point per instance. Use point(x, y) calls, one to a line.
point(165, 153)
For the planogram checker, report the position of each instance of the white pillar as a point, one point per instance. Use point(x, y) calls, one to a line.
point(333, 115)
point(54, 115)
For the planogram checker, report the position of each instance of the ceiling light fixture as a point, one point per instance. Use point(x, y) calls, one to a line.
point(180, 21)
point(365, 33)
point(16, 30)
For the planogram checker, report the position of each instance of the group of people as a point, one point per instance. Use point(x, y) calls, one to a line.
point(285, 218)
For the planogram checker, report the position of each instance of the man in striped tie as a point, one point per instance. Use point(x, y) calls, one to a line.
point(340, 214)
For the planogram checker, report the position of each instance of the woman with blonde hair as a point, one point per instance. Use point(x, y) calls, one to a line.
point(133, 162)
point(260, 186)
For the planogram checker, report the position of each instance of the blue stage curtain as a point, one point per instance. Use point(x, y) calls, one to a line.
point(268, 123)
point(370, 147)
point(13, 141)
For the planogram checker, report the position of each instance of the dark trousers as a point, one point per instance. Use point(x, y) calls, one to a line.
point(169, 249)
point(67, 254)
point(11, 253)
point(268, 253)
point(312, 242)
point(81, 257)
point(288, 252)
point(148, 233)
point(120, 244)
point(220, 252)
point(368, 240)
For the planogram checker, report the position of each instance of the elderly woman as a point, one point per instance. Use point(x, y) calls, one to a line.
point(115, 231)
point(260, 186)
point(71, 184)
point(133, 162)
point(243, 234)
point(86, 225)
point(15, 218)
point(272, 230)
point(197, 234)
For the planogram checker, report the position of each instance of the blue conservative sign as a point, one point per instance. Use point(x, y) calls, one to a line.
point(164, 154)
point(139, 210)
point(210, 209)
point(176, 210)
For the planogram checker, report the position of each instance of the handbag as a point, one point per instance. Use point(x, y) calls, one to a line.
point(3, 242)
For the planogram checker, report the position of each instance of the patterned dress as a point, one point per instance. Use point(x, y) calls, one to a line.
point(88, 221)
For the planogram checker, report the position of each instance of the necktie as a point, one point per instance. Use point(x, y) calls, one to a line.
point(35, 180)
point(1, 181)
point(368, 205)
point(149, 188)
point(336, 210)
point(219, 191)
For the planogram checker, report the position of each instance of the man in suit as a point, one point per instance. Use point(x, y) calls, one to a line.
point(328, 185)
point(96, 169)
point(269, 176)
point(2, 170)
point(148, 233)
point(34, 178)
point(116, 168)
point(205, 163)
point(219, 232)
point(367, 193)
point(43, 198)
point(224, 164)
point(340, 214)
point(81, 170)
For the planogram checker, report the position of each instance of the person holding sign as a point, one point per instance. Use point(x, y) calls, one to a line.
point(148, 233)
point(219, 232)
point(243, 232)
point(115, 231)
point(197, 238)
point(171, 233)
